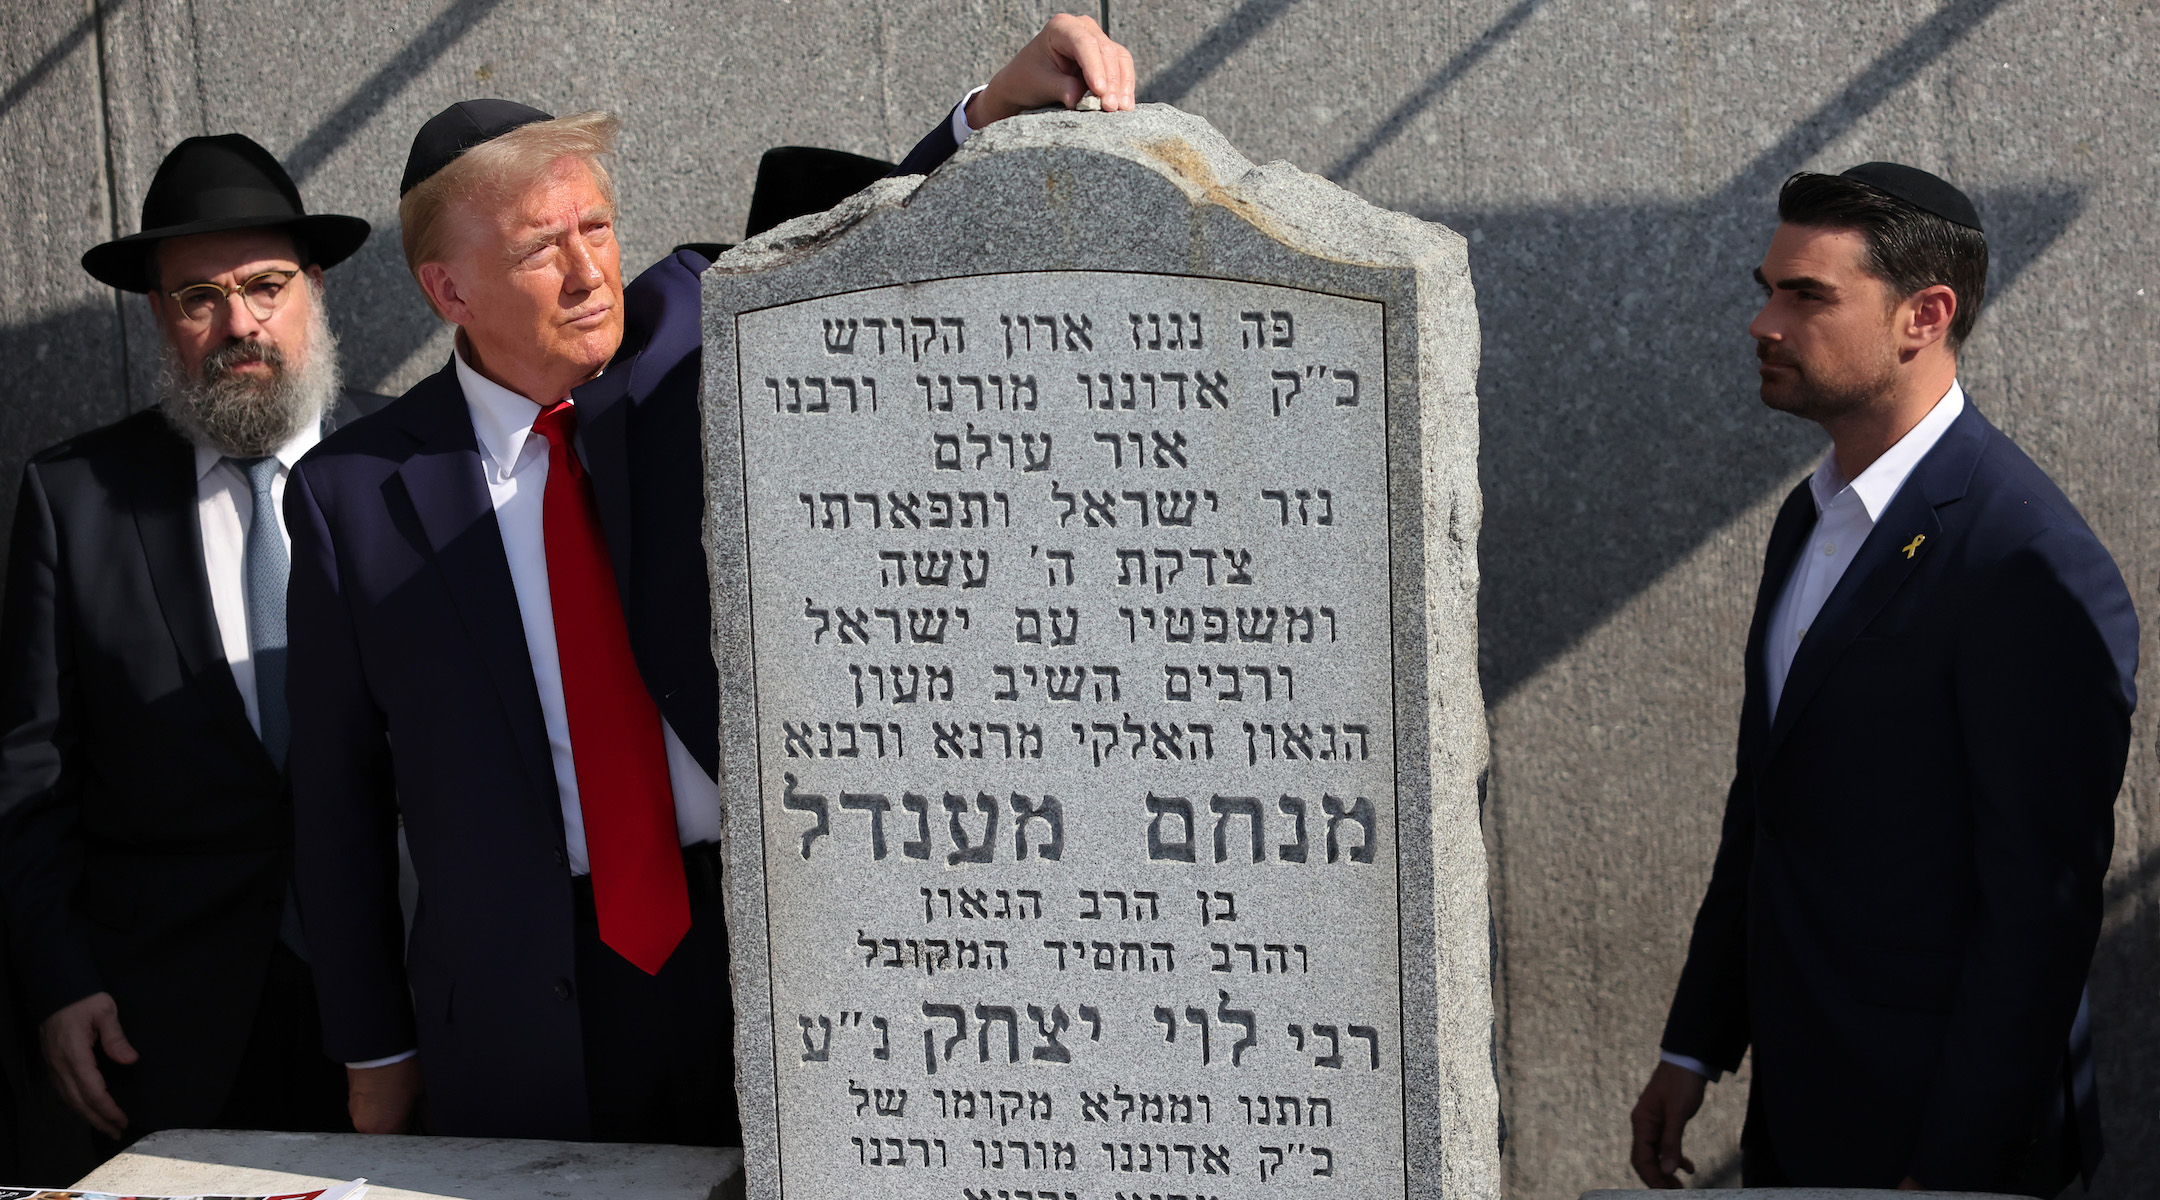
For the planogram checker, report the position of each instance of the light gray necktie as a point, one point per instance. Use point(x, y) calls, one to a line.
point(266, 570)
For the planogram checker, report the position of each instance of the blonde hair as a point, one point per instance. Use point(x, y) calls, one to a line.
point(498, 169)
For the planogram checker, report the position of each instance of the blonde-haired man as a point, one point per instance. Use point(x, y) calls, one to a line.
point(500, 611)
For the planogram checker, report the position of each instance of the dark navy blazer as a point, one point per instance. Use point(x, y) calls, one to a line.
point(405, 634)
point(1908, 890)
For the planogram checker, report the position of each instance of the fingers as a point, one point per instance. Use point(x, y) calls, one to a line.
point(1071, 57)
point(107, 1024)
point(1648, 1125)
point(1079, 49)
point(1105, 66)
point(1112, 81)
point(98, 1106)
point(1669, 1156)
point(75, 1075)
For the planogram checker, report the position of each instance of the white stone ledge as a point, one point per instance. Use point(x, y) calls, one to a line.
point(416, 1168)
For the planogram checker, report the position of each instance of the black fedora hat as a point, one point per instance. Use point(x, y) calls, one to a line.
point(795, 181)
point(213, 185)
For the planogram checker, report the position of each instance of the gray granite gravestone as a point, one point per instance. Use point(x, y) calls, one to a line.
point(1093, 531)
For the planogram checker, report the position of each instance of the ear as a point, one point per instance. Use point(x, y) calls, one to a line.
point(1925, 317)
point(314, 274)
point(441, 289)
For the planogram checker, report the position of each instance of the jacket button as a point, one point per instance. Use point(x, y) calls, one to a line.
point(562, 988)
point(558, 856)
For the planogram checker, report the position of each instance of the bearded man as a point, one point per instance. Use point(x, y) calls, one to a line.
point(1939, 688)
point(502, 631)
point(145, 810)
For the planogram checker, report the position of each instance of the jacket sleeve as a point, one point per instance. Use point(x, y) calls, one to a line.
point(41, 850)
point(1709, 1016)
point(929, 153)
point(344, 805)
point(2044, 693)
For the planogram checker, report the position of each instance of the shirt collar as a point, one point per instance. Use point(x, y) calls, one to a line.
point(1879, 484)
point(501, 418)
point(208, 457)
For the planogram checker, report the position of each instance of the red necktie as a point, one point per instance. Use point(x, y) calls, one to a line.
point(622, 775)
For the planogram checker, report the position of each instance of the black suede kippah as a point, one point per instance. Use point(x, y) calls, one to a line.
point(1916, 187)
point(459, 128)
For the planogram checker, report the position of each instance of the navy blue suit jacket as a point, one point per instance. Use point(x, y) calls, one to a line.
point(405, 634)
point(1908, 890)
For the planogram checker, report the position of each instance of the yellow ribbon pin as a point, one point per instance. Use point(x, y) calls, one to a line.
point(1913, 547)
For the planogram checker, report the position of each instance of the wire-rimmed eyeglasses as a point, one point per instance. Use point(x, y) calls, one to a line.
point(263, 292)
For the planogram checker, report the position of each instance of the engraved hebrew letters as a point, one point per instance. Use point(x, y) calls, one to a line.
point(1069, 600)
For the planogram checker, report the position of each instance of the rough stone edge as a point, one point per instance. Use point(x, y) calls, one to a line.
point(1306, 216)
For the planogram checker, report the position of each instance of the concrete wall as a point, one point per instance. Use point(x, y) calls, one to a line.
point(1613, 165)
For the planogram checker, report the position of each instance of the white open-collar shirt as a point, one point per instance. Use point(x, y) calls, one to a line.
point(1845, 514)
point(514, 465)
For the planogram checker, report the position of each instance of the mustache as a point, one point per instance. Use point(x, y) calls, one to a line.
point(1772, 357)
point(219, 363)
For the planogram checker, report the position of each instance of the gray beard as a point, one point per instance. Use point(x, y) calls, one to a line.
point(247, 418)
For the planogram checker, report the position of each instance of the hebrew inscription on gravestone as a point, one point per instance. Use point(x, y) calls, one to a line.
point(1099, 713)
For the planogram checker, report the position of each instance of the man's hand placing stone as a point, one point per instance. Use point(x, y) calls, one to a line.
point(1072, 57)
point(70, 1039)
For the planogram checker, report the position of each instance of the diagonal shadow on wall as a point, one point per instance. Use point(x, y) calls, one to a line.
point(374, 281)
point(1620, 421)
point(409, 63)
point(1585, 350)
point(57, 53)
point(1225, 38)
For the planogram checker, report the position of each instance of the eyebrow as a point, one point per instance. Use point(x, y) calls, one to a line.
point(244, 277)
point(551, 233)
point(1797, 283)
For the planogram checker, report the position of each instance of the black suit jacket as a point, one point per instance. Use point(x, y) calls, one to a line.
point(405, 633)
point(145, 835)
point(1908, 890)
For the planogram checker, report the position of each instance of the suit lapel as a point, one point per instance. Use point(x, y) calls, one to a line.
point(1787, 537)
point(663, 327)
point(164, 507)
point(443, 479)
point(1907, 532)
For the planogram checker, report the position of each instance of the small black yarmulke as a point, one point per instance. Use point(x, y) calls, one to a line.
point(459, 128)
point(1928, 193)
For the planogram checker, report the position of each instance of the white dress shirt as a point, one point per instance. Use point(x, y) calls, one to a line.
point(224, 510)
point(961, 130)
point(1845, 513)
point(514, 465)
